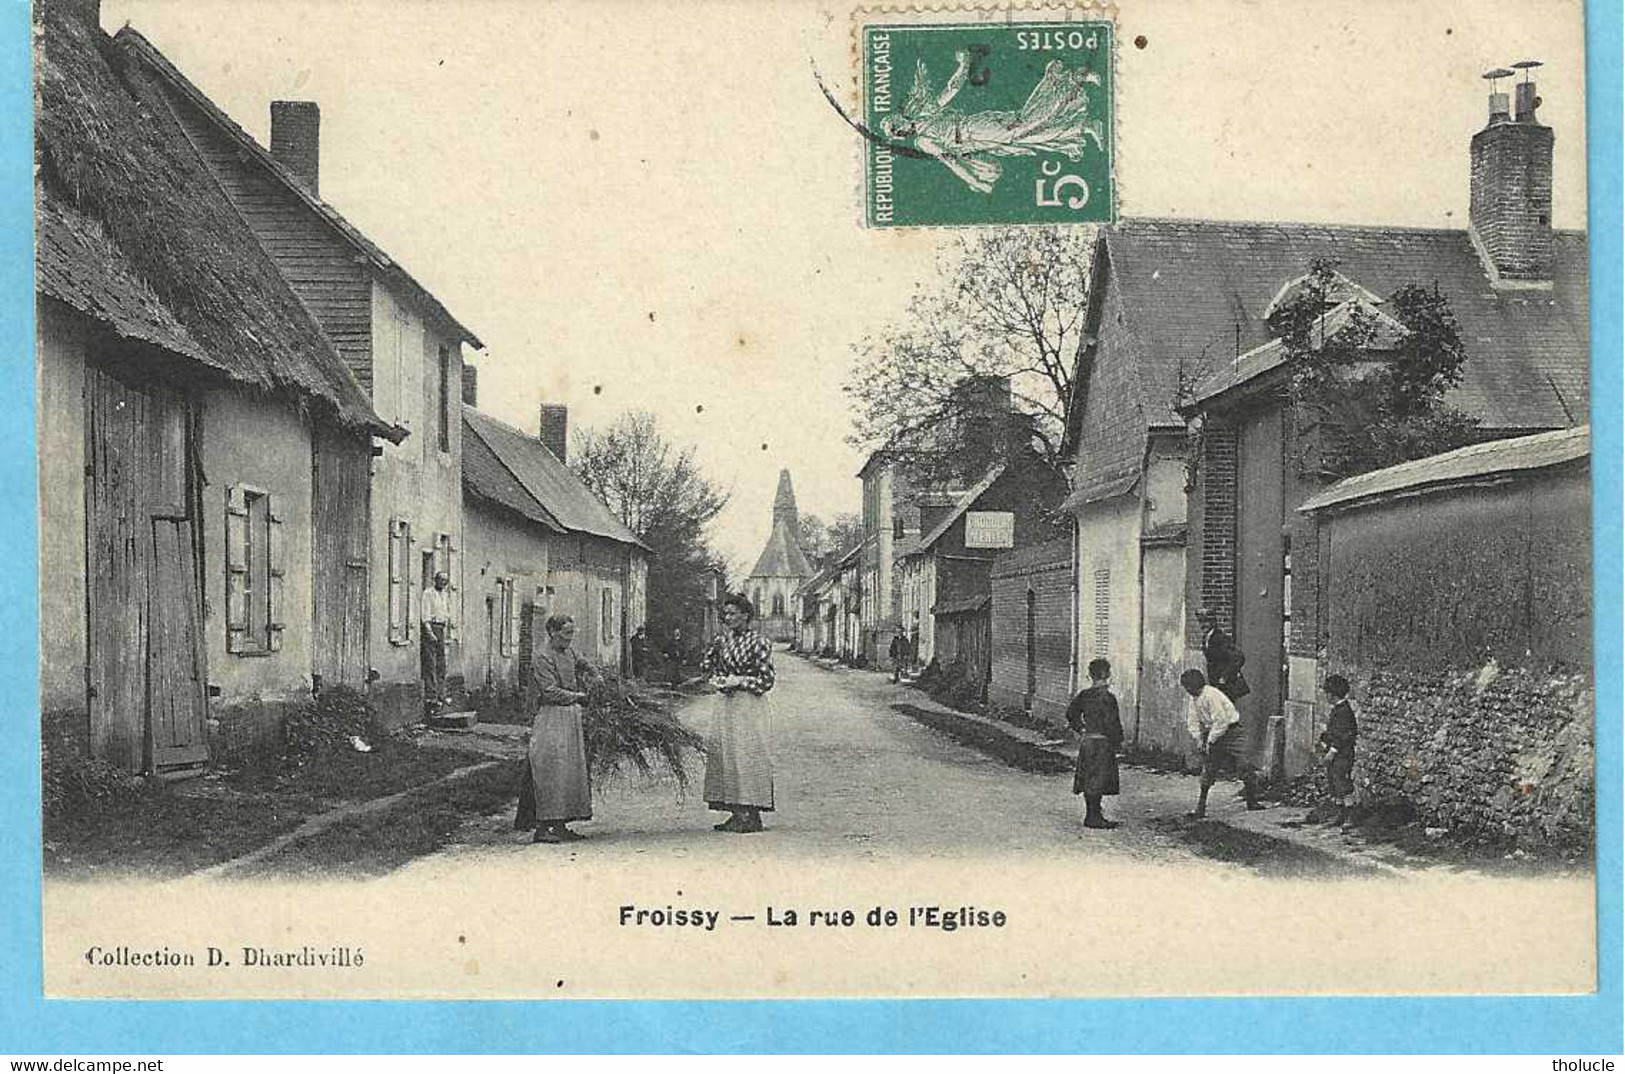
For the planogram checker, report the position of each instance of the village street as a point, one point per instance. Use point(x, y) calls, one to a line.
point(856, 780)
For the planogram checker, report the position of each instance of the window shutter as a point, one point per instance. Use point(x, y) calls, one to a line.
point(397, 582)
point(447, 551)
point(237, 577)
point(511, 595)
point(277, 566)
point(408, 586)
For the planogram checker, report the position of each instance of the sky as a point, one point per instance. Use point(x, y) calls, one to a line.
point(651, 206)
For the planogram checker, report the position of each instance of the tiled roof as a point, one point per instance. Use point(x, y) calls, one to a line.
point(486, 477)
point(1476, 461)
point(135, 229)
point(1195, 294)
point(964, 503)
point(553, 491)
point(133, 42)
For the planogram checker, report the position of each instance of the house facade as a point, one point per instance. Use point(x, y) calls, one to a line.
point(1181, 308)
point(1012, 506)
point(401, 345)
point(540, 544)
point(188, 402)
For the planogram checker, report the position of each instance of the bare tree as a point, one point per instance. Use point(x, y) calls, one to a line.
point(1012, 305)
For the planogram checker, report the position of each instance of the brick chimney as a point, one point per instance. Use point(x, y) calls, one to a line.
point(554, 428)
point(296, 130)
point(471, 385)
point(1511, 200)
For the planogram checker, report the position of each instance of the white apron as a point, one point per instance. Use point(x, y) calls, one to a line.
point(738, 758)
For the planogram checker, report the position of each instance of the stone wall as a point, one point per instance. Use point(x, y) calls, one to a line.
point(1463, 620)
point(1505, 751)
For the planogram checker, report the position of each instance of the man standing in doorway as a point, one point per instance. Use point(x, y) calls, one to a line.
point(436, 630)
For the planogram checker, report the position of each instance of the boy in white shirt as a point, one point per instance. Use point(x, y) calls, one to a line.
point(1215, 725)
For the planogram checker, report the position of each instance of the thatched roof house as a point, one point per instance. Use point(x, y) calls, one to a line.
point(135, 232)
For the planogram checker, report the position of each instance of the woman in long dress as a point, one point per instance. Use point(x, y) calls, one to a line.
point(738, 760)
point(1054, 120)
point(559, 786)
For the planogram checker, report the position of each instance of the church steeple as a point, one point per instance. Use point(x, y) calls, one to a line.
point(784, 505)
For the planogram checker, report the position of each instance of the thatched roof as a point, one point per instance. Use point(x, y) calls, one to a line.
point(132, 217)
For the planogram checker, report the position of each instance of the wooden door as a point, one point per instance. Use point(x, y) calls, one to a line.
point(340, 499)
point(145, 667)
point(177, 704)
point(1260, 567)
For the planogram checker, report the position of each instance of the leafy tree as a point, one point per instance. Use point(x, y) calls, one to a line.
point(1376, 384)
point(1011, 305)
point(820, 540)
point(662, 496)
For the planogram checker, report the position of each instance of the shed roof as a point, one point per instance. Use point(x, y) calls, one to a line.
point(133, 222)
point(537, 484)
point(135, 44)
point(1524, 454)
point(1196, 292)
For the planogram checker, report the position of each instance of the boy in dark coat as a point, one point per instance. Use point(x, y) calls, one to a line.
point(1338, 742)
point(1093, 715)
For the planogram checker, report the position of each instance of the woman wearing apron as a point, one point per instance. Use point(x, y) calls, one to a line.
point(738, 762)
point(558, 785)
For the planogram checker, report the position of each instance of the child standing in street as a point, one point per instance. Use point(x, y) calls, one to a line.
point(1093, 715)
point(1338, 742)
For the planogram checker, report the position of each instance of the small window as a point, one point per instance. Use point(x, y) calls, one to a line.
point(606, 616)
point(897, 527)
point(254, 572)
point(778, 604)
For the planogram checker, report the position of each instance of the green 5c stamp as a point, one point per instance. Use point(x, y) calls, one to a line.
point(996, 123)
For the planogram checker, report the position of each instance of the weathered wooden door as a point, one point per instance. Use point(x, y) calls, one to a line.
point(177, 690)
point(1260, 567)
point(145, 667)
point(340, 510)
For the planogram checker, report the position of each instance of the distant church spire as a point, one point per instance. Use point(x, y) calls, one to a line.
point(784, 505)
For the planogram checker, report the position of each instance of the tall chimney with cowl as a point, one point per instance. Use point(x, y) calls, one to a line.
point(296, 139)
point(554, 429)
point(1511, 195)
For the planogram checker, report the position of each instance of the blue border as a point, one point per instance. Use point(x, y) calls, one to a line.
point(1585, 1025)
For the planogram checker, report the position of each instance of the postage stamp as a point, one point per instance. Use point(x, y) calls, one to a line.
point(990, 123)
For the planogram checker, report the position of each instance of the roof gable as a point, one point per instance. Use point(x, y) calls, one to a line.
point(550, 491)
point(136, 45)
point(134, 224)
point(963, 504)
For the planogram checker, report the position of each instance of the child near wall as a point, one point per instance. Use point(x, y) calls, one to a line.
point(1338, 743)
